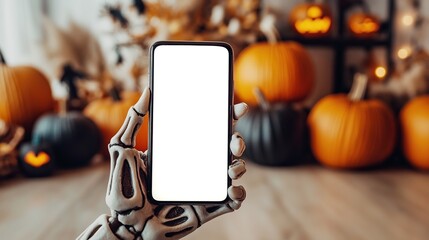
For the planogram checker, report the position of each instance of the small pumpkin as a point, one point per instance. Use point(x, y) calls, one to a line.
point(283, 71)
point(36, 161)
point(414, 119)
point(74, 138)
point(350, 132)
point(25, 94)
point(109, 114)
point(363, 24)
point(274, 134)
point(311, 19)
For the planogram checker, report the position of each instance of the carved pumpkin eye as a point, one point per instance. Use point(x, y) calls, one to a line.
point(314, 12)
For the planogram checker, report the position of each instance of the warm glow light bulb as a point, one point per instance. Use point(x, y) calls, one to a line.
point(407, 20)
point(380, 72)
point(404, 52)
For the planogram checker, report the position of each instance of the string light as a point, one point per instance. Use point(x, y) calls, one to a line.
point(407, 19)
point(404, 52)
point(380, 72)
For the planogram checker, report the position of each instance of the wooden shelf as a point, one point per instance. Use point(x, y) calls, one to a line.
point(336, 41)
point(341, 41)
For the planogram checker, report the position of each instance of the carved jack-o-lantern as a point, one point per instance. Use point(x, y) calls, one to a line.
point(36, 161)
point(311, 20)
point(74, 138)
point(363, 24)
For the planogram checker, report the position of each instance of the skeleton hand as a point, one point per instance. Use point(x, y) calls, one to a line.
point(132, 216)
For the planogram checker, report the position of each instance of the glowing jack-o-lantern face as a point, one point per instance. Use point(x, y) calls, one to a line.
point(311, 20)
point(36, 161)
point(363, 25)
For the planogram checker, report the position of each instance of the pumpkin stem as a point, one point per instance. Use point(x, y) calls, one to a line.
point(2, 59)
point(62, 107)
point(359, 87)
point(268, 28)
point(115, 94)
point(260, 98)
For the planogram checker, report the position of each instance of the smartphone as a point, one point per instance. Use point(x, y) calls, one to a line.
point(190, 122)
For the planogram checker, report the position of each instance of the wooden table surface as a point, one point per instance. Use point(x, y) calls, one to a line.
point(307, 202)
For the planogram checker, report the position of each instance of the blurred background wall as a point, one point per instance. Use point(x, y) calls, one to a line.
point(26, 34)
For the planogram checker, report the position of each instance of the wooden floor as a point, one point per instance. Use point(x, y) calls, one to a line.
point(308, 202)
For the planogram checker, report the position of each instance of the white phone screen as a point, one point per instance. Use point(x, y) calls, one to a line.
point(190, 122)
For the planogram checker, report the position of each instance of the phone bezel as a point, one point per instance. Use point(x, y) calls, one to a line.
point(230, 115)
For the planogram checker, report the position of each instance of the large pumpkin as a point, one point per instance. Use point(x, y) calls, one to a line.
point(74, 138)
point(311, 19)
point(414, 119)
point(283, 71)
point(109, 114)
point(274, 134)
point(349, 132)
point(25, 94)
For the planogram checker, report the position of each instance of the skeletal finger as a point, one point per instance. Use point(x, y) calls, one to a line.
point(239, 110)
point(237, 145)
point(237, 169)
point(235, 205)
point(126, 136)
point(142, 105)
point(143, 157)
point(237, 193)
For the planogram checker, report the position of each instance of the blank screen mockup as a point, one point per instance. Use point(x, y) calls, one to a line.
point(190, 123)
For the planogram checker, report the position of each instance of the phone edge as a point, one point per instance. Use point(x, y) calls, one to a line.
point(230, 117)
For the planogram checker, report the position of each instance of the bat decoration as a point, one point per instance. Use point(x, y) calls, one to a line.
point(140, 6)
point(116, 14)
point(119, 57)
point(69, 77)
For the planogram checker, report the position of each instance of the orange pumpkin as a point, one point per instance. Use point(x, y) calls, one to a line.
point(25, 94)
point(109, 115)
point(311, 20)
point(283, 71)
point(349, 132)
point(363, 24)
point(414, 118)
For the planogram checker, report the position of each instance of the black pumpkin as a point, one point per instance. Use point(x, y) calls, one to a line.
point(36, 161)
point(274, 135)
point(74, 138)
